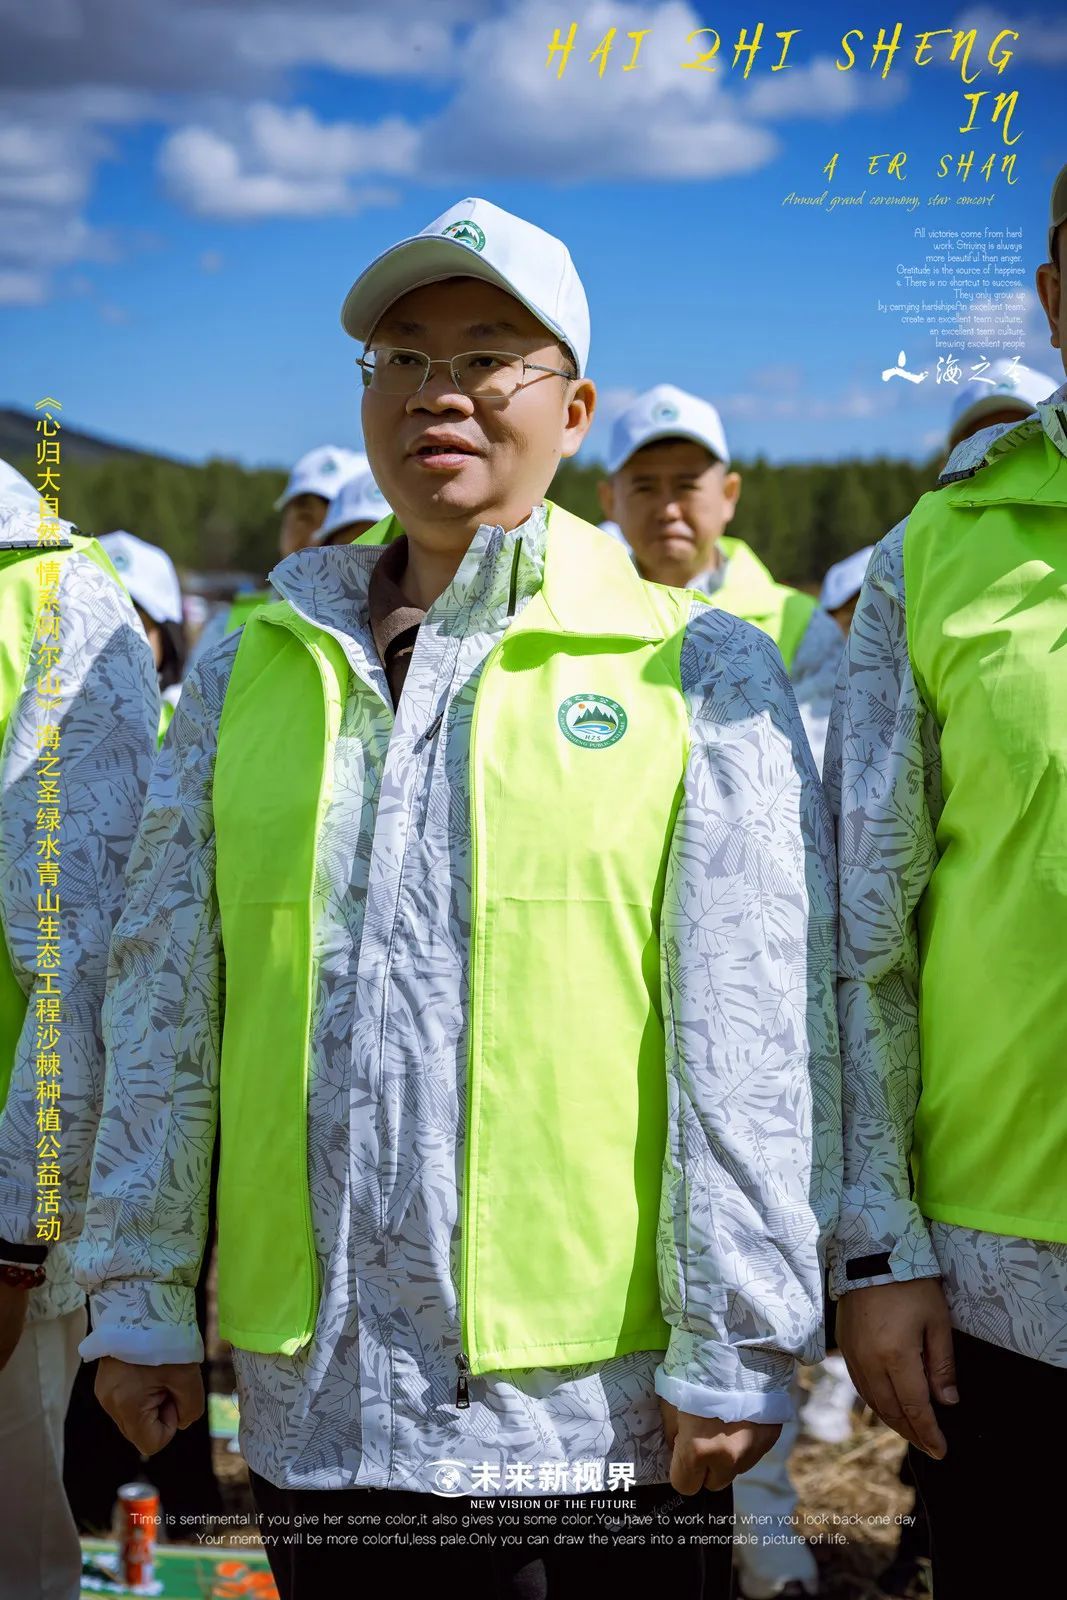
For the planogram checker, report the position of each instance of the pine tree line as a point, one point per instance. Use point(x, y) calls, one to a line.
point(800, 518)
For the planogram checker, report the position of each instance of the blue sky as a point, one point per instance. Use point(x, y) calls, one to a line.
point(184, 204)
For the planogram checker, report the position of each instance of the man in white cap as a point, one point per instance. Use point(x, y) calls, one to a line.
point(671, 490)
point(303, 503)
point(841, 587)
point(313, 483)
point(1008, 393)
point(73, 658)
point(487, 1222)
point(151, 581)
point(354, 509)
point(947, 767)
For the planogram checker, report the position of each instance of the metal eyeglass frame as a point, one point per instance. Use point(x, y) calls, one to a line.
point(368, 368)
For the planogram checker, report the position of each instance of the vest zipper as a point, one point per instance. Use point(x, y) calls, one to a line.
point(462, 1397)
point(513, 590)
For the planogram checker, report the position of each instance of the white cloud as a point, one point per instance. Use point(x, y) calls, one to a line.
point(22, 288)
point(284, 163)
point(819, 90)
point(1042, 42)
point(513, 116)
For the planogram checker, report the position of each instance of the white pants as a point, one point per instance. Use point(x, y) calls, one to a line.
point(766, 1492)
point(40, 1553)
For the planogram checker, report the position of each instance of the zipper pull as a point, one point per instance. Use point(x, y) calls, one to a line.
point(432, 729)
point(462, 1397)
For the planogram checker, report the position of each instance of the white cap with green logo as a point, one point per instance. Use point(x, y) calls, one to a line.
point(666, 413)
point(476, 239)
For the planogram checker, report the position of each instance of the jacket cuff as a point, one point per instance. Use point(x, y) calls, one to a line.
point(737, 1383)
point(148, 1324)
point(741, 1405)
point(881, 1238)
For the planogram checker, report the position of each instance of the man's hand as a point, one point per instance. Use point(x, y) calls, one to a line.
point(12, 1316)
point(709, 1453)
point(149, 1404)
point(897, 1342)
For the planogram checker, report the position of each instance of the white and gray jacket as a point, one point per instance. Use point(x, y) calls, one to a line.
point(748, 914)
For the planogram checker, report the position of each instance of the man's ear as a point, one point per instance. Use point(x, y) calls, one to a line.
point(605, 490)
point(1049, 289)
point(731, 494)
point(581, 408)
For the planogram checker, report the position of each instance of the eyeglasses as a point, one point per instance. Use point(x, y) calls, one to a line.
point(493, 373)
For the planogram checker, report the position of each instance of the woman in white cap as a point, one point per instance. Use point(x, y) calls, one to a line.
point(842, 584)
point(152, 582)
point(514, 1194)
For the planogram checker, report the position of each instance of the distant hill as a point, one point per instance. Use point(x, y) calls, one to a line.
point(18, 439)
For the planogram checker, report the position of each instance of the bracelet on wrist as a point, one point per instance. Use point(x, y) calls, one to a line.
point(21, 1277)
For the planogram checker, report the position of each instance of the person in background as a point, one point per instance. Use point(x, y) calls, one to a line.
point(1007, 394)
point(356, 507)
point(841, 587)
point(946, 768)
point(152, 583)
point(434, 987)
point(671, 491)
point(61, 886)
point(303, 503)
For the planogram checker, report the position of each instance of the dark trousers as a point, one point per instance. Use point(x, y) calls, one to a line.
point(995, 1502)
point(519, 1571)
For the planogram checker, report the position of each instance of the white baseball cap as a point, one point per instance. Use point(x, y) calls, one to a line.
point(1006, 384)
point(845, 579)
point(359, 499)
point(148, 575)
point(666, 413)
point(475, 239)
point(13, 486)
point(321, 471)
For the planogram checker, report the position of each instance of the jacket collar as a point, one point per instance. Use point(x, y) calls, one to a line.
point(990, 444)
point(20, 528)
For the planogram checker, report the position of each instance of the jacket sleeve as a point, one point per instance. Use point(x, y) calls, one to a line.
point(146, 1218)
point(752, 1165)
point(813, 676)
point(106, 713)
point(883, 776)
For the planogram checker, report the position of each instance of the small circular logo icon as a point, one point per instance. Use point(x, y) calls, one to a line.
point(592, 720)
point(119, 561)
point(466, 232)
point(664, 411)
point(448, 1478)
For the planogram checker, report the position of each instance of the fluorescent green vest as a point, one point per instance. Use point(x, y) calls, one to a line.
point(166, 713)
point(20, 602)
point(985, 573)
point(243, 606)
point(566, 1091)
point(749, 592)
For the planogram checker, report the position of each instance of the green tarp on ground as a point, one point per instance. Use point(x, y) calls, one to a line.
point(188, 1572)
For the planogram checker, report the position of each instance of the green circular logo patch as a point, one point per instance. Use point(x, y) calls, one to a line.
point(592, 720)
point(664, 411)
point(466, 232)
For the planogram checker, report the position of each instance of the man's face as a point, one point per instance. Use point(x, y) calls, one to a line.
point(1050, 293)
point(447, 461)
point(301, 517)
point(672, 500)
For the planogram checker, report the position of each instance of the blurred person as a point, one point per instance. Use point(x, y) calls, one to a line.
point(102, 695)
point(1009, 393)
point(388, 846)
point(151, 580)
point(841, 587)
point(947, 769)
point(303, 503)
point(671, 491)
point(353, 511)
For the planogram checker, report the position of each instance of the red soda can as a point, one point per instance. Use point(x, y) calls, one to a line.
point(138, 1519)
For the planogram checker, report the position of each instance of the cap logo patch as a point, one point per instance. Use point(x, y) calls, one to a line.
point(592, 721)
point(465, 232)
point(664, 411)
